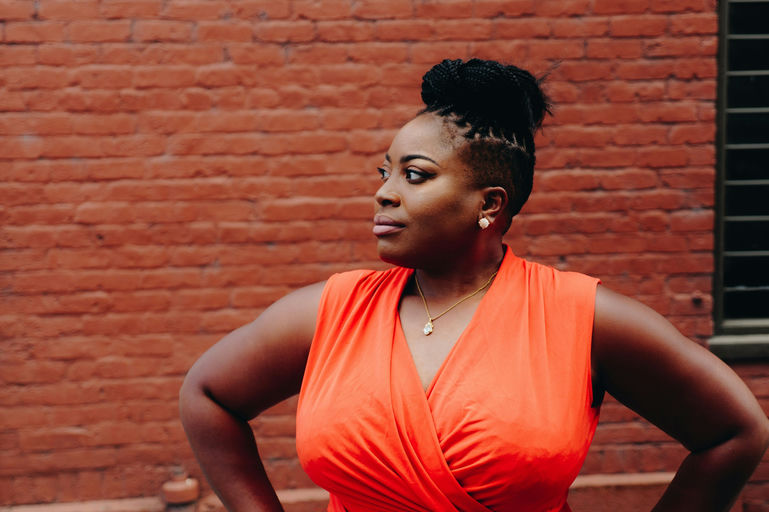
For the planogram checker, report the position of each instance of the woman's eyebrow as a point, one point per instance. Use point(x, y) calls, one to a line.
point(407, 158)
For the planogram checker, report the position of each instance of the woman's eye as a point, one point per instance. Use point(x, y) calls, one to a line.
point(383, 173)
point(414, 176)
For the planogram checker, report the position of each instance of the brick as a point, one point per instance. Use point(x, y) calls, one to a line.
point(444, 9)
point(99, 31)
point(226, 75)
point(260, 9)
point(636, 26)
point(581, 72)
point(263, 54)
point(580, 27)
point(680, 47)
point(39, 77)
point(692, 134)
point(322, 10)
point(21, 55)
point(13, 10)
point(689, 178)
point(344, 31)
point(678, 6)
point(34, 32)
point(669, 112)
point(196, 10)
point(620, 6)
point(694, 24)
point(374, 9)
point(285, 31)
point(21, 147)
point(374, 53)
point(522, 28)
point(692, 221)
point(197, 54)
point(318, 54)
point(556, 9)
point(131, 8)
point(472, 29)
point(662, 157)
point(225, 97)
point(104, 77)
point(156, 30)
point(691, 68)
point(496, 8)
point(236, 32)
point(613, 49)
point(165, 76)
point(33, 372)
point(543, 50)
point(68, 9)
point(646, 70)
point(393, 30)
point(66, 54)
point(636, 135)
point(629, 180)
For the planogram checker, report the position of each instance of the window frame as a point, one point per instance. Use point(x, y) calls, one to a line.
point(733, 338)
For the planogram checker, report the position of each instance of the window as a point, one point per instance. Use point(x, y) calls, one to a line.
point(742, 231)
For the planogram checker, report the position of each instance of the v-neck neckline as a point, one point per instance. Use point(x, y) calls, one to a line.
point(400, 335)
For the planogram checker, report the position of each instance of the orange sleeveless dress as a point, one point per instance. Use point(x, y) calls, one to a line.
point(505, 424)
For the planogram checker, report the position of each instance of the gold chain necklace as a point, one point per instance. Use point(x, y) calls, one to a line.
point(428, 329)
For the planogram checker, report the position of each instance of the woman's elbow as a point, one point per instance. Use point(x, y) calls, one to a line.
point(760, 435)
point(191, 393)
point(753, 438)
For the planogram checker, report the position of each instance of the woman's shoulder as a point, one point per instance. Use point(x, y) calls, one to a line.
point(362, 279)
point(548, 276)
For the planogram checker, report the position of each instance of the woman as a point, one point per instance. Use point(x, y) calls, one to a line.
point(464, 378)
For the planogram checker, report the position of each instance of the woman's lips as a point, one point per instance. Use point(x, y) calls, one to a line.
point(384, 225)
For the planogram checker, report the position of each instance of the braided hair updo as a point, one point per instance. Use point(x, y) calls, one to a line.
point(501, 107)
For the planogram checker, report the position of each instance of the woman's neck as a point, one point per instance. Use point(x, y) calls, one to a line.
point(458, 276)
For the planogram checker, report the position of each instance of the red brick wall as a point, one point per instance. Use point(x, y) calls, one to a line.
point(171, 167)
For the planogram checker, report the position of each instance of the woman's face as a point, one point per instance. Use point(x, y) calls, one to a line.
point(427, 209)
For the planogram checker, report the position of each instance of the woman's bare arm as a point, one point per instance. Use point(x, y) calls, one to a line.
point(644, 362)
point(249, 370)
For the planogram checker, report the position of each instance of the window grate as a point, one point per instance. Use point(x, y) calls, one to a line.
point(741, 291)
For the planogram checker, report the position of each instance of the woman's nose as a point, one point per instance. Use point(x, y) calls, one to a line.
point(387, 195)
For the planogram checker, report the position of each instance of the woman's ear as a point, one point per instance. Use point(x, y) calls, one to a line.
point(494, 202)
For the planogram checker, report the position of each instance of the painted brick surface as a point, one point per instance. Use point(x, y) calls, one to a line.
point(171, 167)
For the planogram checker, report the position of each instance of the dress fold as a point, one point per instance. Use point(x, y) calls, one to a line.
point(504, 426)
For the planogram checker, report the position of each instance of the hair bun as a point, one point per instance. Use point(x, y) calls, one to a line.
point(493, 98)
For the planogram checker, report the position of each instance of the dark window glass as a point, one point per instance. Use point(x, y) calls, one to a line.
point(748, 91)
point(741, 289)
point(747, 164)
point(748, 17)
point(747, 236)
point(746, 270)
point(747, 128)
point(740, 304)
point(747, 200)
point(748, 54)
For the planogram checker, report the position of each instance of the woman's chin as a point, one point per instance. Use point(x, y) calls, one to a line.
point(392, 255)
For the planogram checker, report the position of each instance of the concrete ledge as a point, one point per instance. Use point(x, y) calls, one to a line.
point(302, 495)
point(635, 492)
point(124, 505)
point(622, 480)
point(740, 346)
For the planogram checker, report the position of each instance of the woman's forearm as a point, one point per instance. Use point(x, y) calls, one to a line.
point(711, 480)
point(224, 446)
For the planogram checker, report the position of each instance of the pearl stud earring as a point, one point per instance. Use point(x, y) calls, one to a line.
point(483, 222)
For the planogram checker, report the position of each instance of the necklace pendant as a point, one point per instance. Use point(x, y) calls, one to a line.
point(428, 330)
